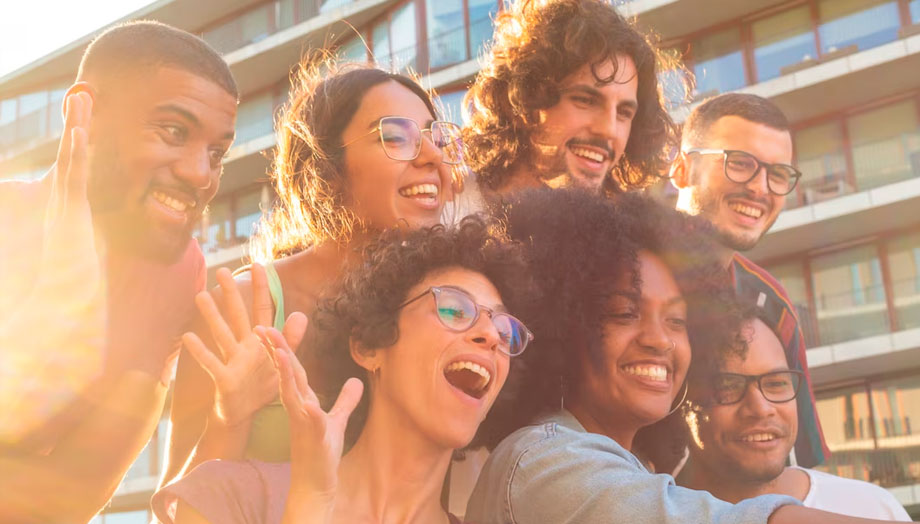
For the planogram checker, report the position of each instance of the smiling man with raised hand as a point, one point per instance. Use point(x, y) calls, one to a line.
point(735, 169)
point(744, 422)
point(100, 269)
point(568, 95)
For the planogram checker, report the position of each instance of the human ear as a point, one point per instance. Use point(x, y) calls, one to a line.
point(369, 359)
point(680, 171)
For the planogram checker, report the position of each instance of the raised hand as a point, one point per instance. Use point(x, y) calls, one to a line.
point(244, 376)
point(317, 437)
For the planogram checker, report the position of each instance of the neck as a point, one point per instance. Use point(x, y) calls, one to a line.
point(392, 474)
point(623, 434)
point(734, 488)
point(724, 254)
point(522, 177)
point(686, 203)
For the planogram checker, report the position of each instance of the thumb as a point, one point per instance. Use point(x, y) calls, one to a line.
point(347, 401)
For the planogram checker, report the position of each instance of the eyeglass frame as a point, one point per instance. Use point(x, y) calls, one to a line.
point(434, 290)
point(748, 379)
point(379, 129)
point(796, 174)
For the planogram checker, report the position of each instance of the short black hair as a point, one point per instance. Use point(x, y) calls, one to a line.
point(139, 46)
point(749, 107)
point(581, 249)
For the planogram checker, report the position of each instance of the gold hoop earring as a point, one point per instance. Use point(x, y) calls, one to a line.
point(682, 399)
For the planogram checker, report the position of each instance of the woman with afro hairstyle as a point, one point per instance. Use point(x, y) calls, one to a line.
point(628, 286)
point(360, 150)
point(424, 324)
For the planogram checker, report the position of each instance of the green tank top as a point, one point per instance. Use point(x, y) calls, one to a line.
point(269, 436)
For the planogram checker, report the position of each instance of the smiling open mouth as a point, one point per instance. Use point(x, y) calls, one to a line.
point(468, 377)
point(590, 154)
point(426, 193)
point(759, 437)
point(650, 371)
point(748, 211)
point(174, 203)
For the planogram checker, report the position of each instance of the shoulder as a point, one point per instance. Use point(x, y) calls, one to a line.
point(744, 266)
point(248, 492)
point(851, 497)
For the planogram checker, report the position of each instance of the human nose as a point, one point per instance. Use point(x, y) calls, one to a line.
point(754, 403)
point(606, 124)
point(758, 184)
point(654, 336)
point(483, 332)
point(195, 170)
point(429, 153)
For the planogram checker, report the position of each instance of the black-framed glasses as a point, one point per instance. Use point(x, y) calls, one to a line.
point(458, 312)
point(401, 139)
point(742, 167)
point(776, 386)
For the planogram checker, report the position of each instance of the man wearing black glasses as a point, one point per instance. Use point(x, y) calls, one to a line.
point(735, 168)
point(744, 422)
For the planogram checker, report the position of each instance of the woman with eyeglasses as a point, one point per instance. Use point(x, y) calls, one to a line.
point(628, 287)
point(424, 324)
point(360, 150)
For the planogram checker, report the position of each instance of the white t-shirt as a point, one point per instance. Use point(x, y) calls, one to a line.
point(851, 497)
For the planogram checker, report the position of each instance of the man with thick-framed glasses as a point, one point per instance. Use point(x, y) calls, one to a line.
point(735, 168)
point(743, 423)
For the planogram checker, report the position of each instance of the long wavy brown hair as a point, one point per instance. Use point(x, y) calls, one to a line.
point(308, 171)
point(539, 43)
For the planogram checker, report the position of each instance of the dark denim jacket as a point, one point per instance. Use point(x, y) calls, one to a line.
point(556, 472)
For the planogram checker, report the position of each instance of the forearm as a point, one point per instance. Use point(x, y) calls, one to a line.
point(86, 467)
point(799, 514)
point(220, 441)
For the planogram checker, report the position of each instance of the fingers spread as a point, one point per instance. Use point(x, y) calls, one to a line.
point(205, 358)
point(221, 332)
point(348, 400)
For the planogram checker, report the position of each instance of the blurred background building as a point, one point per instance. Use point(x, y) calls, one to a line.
point(847, 247)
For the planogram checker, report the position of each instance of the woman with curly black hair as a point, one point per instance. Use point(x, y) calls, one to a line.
point(628, 287)
point(424, 324)
point(359, 150)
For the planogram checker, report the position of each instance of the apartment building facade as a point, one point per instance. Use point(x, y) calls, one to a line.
point(847, 247)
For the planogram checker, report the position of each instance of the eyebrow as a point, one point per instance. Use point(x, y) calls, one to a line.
point(187, 115)
point(675, 300)
point(376, 122)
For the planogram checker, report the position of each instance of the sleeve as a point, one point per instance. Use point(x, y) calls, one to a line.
point(223, 492)
point(584, 481)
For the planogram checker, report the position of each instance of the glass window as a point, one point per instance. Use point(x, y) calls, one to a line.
point(821, 158)
point(896, 405)
point(329, 5)
point(482, 12)
point(7, 111)
point(849, 295)
point(864, 23)
point(248, 213)
point(353, 51)
point(217, 232)
point(446, 37)
point(402, 32)
point(717, 62)
point(254, 118)
point(915, 11)
point(847, 425)
point(451, 106)
point(792, 276)
point(673, 79)
point(56, 114)
point(782, 40)
point(380, 44)
point(904, 263)
point(886, 144)
point(124, 517)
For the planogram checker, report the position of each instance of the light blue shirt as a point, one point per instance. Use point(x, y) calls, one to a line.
point(556, 472)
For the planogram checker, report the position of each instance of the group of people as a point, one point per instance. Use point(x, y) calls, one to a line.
point(571, 350)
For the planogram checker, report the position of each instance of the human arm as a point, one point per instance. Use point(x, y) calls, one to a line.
point(224, 377)
point(46, 365)
point(86, 466)
point(317, 437)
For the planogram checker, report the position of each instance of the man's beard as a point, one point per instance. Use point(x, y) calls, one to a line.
point(124, 224)
point(552, 168)
point(708, 206)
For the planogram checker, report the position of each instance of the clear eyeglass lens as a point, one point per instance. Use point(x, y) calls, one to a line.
point(401, 138)
point(455, 310)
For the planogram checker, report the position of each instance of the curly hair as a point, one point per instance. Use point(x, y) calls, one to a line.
point(539, 43)
point(308, 167)
point(581, 247)
point(366, 310)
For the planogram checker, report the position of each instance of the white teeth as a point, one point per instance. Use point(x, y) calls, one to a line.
point(170, 202)
point(483, 373)
point(750, 211)
point(587, 153)
point(429, 190)
point(652, 371)
point(759, 437)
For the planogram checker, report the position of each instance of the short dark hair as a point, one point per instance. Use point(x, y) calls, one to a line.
point(139, 46)
point(537, 44)
point(582, 248)
point(366, 310)
point(749, 107)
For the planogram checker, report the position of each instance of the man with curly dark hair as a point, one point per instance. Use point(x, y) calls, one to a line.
point(568, 95)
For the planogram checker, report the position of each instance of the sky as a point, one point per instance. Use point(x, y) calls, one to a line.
point(30, 29)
